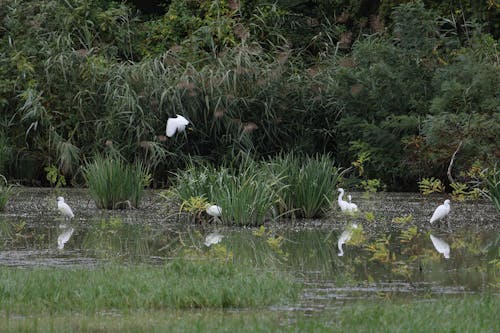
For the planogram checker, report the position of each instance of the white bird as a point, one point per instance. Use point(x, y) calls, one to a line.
point(346, 207)
point(345, 236)
point(349, 198)
point(177, 124)
point(64, 236)
point(441, 246)
point(212, 239)
point(214, 210)
point(64, 208)
point(441, 211)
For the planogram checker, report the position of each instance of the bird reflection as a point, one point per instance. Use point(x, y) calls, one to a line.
point(64, 236)
point(345, 236)
point(441, 246)
point(212, 239)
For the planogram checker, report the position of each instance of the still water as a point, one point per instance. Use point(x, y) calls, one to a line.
point(389, 250)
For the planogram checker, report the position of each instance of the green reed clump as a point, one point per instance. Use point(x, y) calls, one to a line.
point(5, 192)
point(113, 184)
point(493, 186)
point(308, 183)
point(180, 284)
point(246, 194)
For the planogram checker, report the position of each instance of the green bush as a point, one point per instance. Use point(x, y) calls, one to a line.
point(113, 184)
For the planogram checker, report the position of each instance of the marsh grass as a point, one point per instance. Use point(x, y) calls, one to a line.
point(180, 284)
point(445, 314)
point(308, 183)
point(250, 192)
point(5, 192)
point(113, 184)
point(493, 186)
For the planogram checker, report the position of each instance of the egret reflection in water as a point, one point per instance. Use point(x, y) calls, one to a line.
point(64, 236)
point(441, 246)
point(345, 236)
point(213, 238)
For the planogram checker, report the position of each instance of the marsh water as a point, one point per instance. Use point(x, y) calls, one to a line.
point(389, 250)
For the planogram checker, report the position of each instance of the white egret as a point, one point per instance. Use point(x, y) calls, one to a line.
point(441, 211)
point(441, 246)
point(177, 124)
point(346, 207)
point(64, 208)
point(212, 239)
point(349, 198)
point(214, 210)
point(345, 236)
point(64, 236)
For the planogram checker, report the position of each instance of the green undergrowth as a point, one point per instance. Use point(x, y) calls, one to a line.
point(181, 284)
point(446, 314)
point(258, 191)
point(114, 184)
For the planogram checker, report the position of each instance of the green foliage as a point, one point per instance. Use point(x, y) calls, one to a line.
point(249, 195)
point(113, 184)
point(372, 185)
point(5, 192)
point(180, 284)
point(307, 183)
point(54, 177)
point(493, 186)
point(395, 85)
point(431, 185)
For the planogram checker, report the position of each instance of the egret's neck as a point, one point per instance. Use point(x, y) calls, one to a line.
point(341, 194)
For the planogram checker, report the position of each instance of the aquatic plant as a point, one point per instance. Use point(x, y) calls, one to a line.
point(179, 284)
point(493, 187)
point(430, 185)
point(307, 183)
point(114, 184)
point(5, 192)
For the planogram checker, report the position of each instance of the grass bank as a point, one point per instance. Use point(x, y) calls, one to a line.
point(181, 284)
point(447, 314)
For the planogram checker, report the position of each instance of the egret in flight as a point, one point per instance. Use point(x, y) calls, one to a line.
point(64, 208)
point(177, 124)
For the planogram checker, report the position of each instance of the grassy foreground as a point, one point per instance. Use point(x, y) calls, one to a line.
point(448, 314)
point(181, 284)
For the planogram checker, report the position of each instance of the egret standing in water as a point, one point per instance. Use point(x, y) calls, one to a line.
point(177, 124)
point(346, 207)
point(64, 208)
point(441, 212)
point(214, 211)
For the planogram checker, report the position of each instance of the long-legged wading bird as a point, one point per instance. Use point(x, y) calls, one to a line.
point(64, 208)
point(346, 207)
point(177, 124)
point(441, 212)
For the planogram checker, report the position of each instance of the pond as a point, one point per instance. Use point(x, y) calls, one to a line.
point(388, 251)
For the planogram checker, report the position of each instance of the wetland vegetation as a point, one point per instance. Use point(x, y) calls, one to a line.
point(287, 101)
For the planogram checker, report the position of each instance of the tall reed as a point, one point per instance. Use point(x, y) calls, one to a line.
point(307, 183)
point(113, 184)
point(5, 192)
